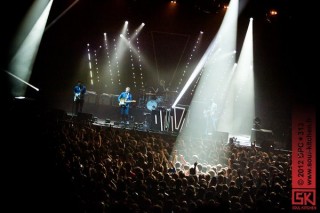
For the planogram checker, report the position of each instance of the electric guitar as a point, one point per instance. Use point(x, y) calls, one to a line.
point(208, 112)
point(76, 96)
point(123, 101)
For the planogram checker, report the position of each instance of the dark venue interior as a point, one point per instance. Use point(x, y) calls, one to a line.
point(168, 157)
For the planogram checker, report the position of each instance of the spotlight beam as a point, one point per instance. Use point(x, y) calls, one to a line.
point(33, 87)
point(63, 13)
point(195, 72)
point(228, 23)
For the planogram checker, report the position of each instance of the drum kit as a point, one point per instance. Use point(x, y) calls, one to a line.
point(153, 101)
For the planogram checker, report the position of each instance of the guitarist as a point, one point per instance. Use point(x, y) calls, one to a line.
point(210, 117)
point(79, 92)
point(125, 99)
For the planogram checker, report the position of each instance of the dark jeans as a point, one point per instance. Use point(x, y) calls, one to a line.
point(78, 106)
point(124, 113)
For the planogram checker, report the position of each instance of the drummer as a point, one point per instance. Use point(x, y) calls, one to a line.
point(164, 94)
point(154, 92)
point(151, 95)
point(158, 96)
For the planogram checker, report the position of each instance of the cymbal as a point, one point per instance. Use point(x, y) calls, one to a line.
point(150, 93)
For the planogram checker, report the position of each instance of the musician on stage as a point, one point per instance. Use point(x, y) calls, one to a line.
point(79, 91)
point(210, 117)
point(125, 99)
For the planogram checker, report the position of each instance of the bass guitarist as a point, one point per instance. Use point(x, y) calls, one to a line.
point(210, 117)
point(79, 92)
point(125, 99)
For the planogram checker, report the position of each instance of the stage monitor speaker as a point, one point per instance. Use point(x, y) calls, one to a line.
point(84, 117)
point(261, 135)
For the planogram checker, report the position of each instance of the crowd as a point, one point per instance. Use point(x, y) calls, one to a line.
point(68, 166)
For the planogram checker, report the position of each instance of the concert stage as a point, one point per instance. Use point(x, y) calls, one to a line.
point(146, 125)
point(160, 121)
